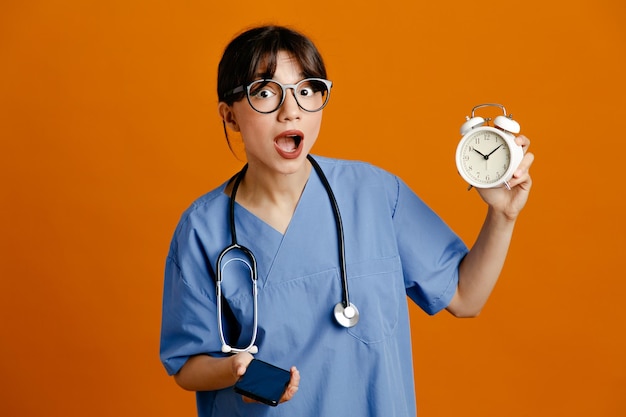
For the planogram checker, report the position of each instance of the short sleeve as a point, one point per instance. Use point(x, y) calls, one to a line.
point(429, 250)
point(189, 315)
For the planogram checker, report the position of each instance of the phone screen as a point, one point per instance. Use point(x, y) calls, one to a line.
point(263, 382)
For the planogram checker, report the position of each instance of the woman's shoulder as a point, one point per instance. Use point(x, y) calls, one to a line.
point(347, 170)
point(359, 179)
point(205, 204)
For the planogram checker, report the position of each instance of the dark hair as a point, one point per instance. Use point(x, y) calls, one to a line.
point(259, 47)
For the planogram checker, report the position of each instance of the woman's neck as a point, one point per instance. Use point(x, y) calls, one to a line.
point(271, 196)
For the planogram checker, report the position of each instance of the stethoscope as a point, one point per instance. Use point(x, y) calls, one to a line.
point(346, 313)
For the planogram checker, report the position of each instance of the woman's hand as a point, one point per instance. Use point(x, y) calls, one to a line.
point(511, 202)
point(292, 387)
point(240, 364)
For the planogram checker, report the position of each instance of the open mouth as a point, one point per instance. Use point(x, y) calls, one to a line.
point(296, 140)
point(289, 142)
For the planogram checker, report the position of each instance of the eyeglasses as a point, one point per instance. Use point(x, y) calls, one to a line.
point(266, 96)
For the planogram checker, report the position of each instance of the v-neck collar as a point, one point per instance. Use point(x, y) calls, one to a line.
point(264, 240)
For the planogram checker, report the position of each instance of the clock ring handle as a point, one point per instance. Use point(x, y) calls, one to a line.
point(480, 106)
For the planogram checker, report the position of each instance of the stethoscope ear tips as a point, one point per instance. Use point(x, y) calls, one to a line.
point(346, 316)
point(226, 349)
point(253, 350)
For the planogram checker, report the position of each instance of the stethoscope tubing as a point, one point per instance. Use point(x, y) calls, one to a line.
point(339, 227)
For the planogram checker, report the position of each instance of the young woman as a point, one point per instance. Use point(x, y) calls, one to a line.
point(338, 245)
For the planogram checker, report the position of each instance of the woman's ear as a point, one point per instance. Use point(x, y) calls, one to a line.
point(228, 116)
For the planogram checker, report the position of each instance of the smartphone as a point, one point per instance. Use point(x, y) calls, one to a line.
point(263, 382)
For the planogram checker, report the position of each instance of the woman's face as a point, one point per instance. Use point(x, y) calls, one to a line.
point(278, 141)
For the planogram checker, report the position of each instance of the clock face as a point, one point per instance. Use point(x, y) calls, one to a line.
point(484, 157)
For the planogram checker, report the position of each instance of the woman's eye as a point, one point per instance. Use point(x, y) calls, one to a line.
point(306, 92)
point(264, 89)
point(266, 93)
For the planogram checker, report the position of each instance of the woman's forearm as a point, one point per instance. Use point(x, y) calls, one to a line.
point(206, 373)
point(481, 267)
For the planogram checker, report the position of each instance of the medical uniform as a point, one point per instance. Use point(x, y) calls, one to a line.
point(395, 246)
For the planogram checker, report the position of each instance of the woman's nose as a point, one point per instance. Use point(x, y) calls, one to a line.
point(290, 108)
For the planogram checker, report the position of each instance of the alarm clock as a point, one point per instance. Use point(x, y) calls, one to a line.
point(487, 156)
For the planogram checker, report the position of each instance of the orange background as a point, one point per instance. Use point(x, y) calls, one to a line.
point(108, 130)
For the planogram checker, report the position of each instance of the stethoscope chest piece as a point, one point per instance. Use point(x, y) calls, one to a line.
point(346, 316)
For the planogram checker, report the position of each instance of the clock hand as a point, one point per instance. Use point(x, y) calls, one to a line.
point(489, 154)
point(478, 152)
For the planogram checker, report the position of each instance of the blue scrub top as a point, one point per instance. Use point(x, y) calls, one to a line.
point(395, 246)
